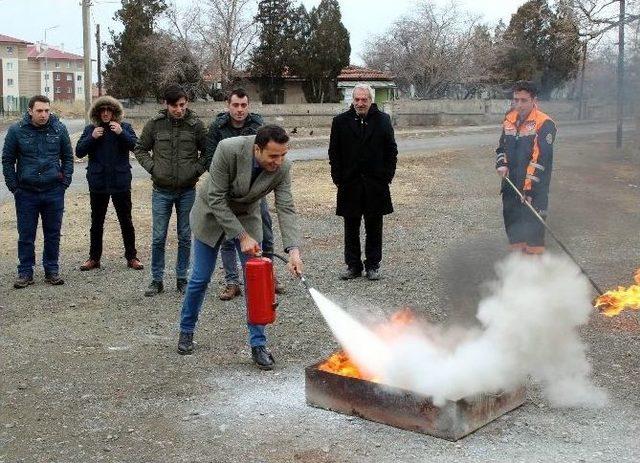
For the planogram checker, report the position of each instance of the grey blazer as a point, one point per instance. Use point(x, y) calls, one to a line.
point(225, 204)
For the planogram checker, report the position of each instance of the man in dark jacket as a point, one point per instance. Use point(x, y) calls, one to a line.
point(525, 155)
point(107, 141)
point(177, 138)
point(234, 122)
point(37, 163)
point(362, 154)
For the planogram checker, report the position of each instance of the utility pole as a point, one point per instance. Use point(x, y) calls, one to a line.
point(86, 45)
point(99, 62)
point(620, 75)
point(582, 110)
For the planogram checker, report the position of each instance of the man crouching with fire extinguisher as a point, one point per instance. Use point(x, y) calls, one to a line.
point(243, 171)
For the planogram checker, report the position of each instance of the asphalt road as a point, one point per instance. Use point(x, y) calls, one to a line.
point(484, 137)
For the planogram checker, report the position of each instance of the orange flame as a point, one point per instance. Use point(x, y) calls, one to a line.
point(615, 301)
point(339, 363)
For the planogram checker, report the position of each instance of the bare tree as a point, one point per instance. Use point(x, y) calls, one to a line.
point(601, 16)
point(429, 51)
point(598, 17)
point(227, 30)
point(188, 60)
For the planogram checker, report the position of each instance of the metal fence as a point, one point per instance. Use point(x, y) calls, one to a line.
point(13, 105)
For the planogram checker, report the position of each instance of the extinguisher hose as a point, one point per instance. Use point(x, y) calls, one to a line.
point(301, 276)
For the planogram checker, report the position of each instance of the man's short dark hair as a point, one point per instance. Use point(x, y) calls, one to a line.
point(173, 93)
point(239, 92)
point(268, 133)
point(526, 86)
point(38, 98)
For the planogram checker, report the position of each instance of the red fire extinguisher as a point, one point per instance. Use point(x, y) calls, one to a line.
point(260, 288)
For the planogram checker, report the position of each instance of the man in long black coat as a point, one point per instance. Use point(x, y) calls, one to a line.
point(363, 155)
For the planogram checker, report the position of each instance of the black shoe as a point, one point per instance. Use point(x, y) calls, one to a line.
point(262, 357)
point(53, 279)
point(23, 281)
point(373, 274)
point(181, 285)
point(350, 273)
point(155, 288)
point(185, 343)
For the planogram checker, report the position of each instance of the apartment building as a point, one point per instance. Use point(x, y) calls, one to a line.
point(60, 75)
point(13, 70)
point(27, 69)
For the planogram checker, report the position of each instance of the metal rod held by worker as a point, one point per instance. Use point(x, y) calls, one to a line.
point(553, 235)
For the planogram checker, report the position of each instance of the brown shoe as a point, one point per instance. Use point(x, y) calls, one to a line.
point(90, 264)
point(135, 264)
point(229, 292)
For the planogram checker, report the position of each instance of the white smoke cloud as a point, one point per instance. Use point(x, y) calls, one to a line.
point(529, 328)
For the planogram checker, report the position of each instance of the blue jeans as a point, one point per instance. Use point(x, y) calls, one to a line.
point(162, 202)
point(49, 206)
point(228, 247)
point(204, 263)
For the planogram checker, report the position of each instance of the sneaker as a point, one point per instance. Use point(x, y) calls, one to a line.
point(350, 273)
point(23, 281)
point(185, 343)
point(373, 274)
point(181, 285)
point(134, 264)
point(229, 292)
point(262, 358)
point(155, 288)
point(90, 264)
point(53, 279)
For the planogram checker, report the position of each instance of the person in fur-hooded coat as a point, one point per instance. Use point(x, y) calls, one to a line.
point(107, 142)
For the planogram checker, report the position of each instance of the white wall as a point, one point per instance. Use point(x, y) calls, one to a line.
point(10, 71)
point(79, 85)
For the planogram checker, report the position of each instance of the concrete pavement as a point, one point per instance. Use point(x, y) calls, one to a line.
point(445, 138)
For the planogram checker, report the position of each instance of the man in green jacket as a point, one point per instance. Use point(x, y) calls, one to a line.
point(172, 149)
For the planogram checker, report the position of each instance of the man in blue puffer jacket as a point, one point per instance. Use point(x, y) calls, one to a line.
point(107, 141)
point(37, 164)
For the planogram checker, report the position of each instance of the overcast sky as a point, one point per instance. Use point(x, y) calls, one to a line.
point(28, 19)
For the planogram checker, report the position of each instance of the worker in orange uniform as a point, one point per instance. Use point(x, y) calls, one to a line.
point(525, 156)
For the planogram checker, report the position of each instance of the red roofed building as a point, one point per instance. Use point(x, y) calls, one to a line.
point(381, 82)
point(28, 69)
point(13, 72)
point(292, 93)
point(61, 74)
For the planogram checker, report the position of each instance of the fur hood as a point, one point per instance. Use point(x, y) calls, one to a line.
point(94, 112)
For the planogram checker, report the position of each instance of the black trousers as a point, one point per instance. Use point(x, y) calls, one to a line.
point(523, 229)
point(122, 205)
point(373, 242)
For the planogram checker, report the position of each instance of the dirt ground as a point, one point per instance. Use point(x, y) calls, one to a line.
point(89, 371)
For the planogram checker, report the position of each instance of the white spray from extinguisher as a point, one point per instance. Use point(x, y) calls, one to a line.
point(529, 327)
point(364, 347)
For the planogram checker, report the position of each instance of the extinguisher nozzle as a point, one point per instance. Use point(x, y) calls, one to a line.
point(305, 282)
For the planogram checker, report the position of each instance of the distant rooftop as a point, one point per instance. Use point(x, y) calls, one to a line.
point(38, 51)
point(355, 73)
point(8, 39)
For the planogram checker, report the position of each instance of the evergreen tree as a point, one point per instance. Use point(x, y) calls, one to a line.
point(539, 45)
point(327, 51)
point(271, 59)
point(134, 58)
